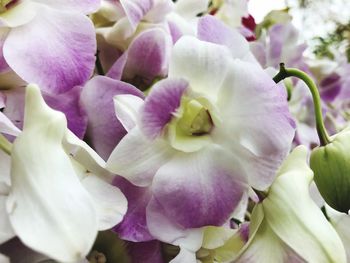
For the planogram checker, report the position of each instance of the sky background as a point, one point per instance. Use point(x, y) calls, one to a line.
point(260, 8)
point(318, 19)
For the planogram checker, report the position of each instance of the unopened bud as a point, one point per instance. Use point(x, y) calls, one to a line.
point(331, 166)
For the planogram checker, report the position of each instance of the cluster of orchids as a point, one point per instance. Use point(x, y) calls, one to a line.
point(155, 131)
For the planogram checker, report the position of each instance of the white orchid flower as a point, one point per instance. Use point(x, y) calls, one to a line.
point(56, 203)
point(287, 226)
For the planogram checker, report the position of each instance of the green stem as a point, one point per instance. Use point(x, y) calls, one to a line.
point(292, 72)
point(5, 145)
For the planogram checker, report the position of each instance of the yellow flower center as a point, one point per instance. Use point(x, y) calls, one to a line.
point(189, 130)
point(195, 119)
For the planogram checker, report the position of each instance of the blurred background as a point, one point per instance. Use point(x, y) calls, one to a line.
point(324, 24)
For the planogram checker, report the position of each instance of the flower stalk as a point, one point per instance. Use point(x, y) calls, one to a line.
point(292, 72)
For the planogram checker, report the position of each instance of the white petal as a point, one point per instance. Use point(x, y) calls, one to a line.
point(6, 231)
point(85, 155)
point(110, 202)
point(287, 226)
point(295, 218)
point(202, 64)
point(341, 223)
point(127, 108)
point(267, 247)
point(191, 8)
point(215, 237)
point(260, 135)
point(49, 209)
point(137, 159)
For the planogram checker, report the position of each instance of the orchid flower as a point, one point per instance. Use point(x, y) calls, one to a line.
point(58, 182)
point(130, 17)
point(48, 42)
point(134, 41)
point(197, 135)
point(139, 35)
point(282, 43)
point(287, 226)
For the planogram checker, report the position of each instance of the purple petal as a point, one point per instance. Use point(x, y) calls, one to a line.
point(165, 229)
point(199, 189)
point(148, 56)
point(213, 30)
point(259, 51)
point(82, 6)
point(116, 71)
point(175, 31)
point(135, 10)
point(161, 104)
point(107, 54)
point(330, 87)
point(284, 47)
point(134, 226)
point(68, 103)
point(4, 67)
point(104, 130)
point(276, 46)
point(59, 50)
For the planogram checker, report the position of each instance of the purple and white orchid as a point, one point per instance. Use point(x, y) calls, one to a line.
point(197, 135)
point(51, 43)
point(152, 131)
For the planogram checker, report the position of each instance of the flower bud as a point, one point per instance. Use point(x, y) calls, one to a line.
point(331, 166)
